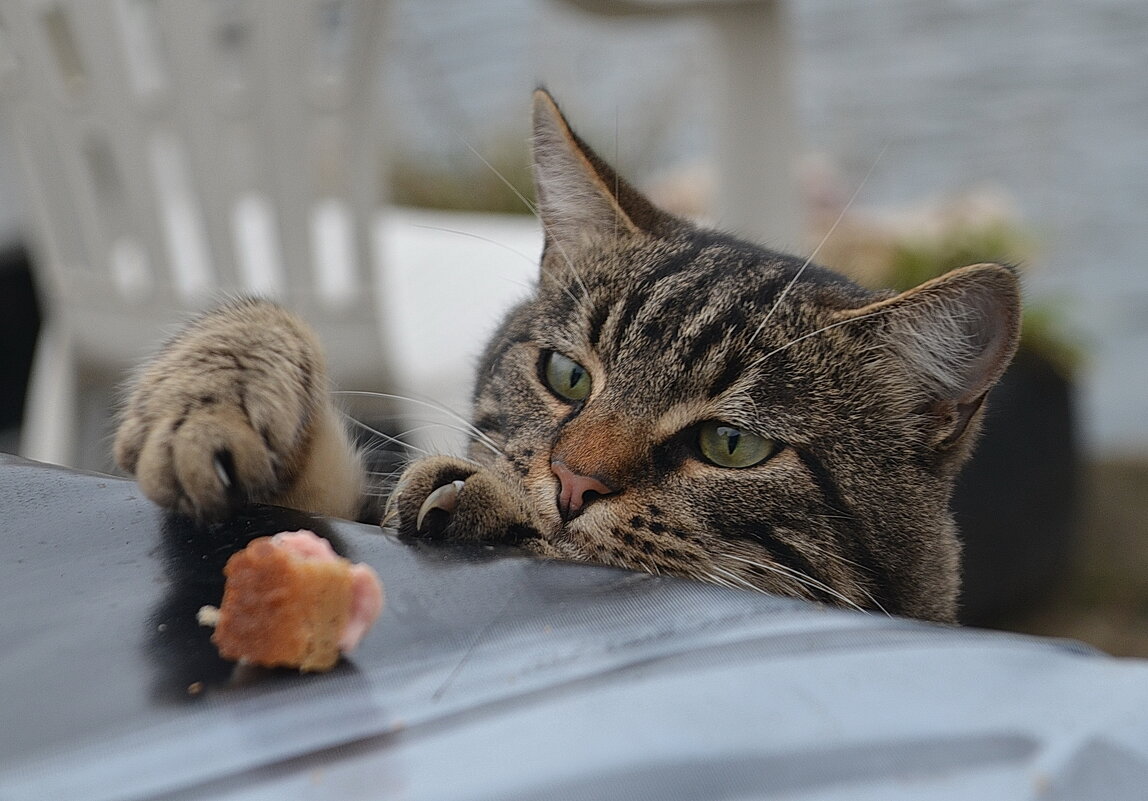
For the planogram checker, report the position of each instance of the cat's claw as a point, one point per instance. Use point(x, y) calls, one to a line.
point(444, 499)
point(223, 468)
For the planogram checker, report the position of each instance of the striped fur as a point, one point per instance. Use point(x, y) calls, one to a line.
point(874, 399)
point(871, 401)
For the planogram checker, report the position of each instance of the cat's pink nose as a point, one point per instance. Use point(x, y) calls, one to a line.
point(576, 492)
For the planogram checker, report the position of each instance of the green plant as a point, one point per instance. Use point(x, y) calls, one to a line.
point(498, 181)
point(915, 259)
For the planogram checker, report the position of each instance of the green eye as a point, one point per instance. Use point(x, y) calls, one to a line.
point(727, 446)
point(566, 378)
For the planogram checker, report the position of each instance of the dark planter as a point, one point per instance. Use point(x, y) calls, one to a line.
point(19, 325)
point(1015, 502)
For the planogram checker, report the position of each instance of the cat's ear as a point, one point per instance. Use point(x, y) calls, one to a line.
point(580, 196)
point(957, 334)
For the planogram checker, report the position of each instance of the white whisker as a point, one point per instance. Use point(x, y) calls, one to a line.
point(583, 302)
point(533, 207)
point(826, 553)
point(713, 578)
point(841, 216)
point(569, 264)
point(386, 476)
point(498, 174)
point(467, 426)
point(797, 575)
point(803, 337)
point(479, 237)
point(735, 580)
point(482, 439)
point(386, 437)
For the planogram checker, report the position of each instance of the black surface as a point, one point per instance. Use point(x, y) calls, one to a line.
point(491, 675)
point(109, 645)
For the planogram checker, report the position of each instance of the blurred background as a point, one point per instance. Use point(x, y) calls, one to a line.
point(894, 138)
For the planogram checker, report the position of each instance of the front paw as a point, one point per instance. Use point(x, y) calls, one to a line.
point(226, 413)
point(202, 461)
point(425, 498)
point(450, 499)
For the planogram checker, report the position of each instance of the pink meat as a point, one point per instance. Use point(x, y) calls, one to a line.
point(366, 604)
point(366, 589)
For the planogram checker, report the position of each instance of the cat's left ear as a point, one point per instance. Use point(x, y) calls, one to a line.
point(580, 197)
point(957, 334)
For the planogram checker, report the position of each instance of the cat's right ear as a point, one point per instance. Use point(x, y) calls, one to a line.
point(580, 197)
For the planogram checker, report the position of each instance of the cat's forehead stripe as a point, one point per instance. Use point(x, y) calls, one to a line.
point(665, 288)
point(675, 310)
point(672, 285)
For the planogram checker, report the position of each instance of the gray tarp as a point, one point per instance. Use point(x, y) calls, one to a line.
point(494, 676)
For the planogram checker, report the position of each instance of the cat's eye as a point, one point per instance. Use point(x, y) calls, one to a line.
point(566, 378)
point(727, 446)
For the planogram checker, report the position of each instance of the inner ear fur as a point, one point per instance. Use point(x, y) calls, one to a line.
point(956, 334)
point(579, 195)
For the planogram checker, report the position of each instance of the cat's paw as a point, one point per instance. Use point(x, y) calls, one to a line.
point(231, 411)
point(441, 497)
point(200, 455)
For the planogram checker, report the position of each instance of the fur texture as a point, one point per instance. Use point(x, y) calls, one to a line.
point(864, 404)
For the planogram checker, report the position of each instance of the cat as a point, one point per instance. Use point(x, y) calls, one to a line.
point(670, 399)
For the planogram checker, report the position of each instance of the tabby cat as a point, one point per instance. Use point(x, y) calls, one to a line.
point(670, 399)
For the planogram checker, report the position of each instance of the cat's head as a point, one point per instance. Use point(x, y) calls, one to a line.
point(676, 400)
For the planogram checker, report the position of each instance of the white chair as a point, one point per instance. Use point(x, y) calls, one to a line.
point(179, 151)
point(176, 151)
